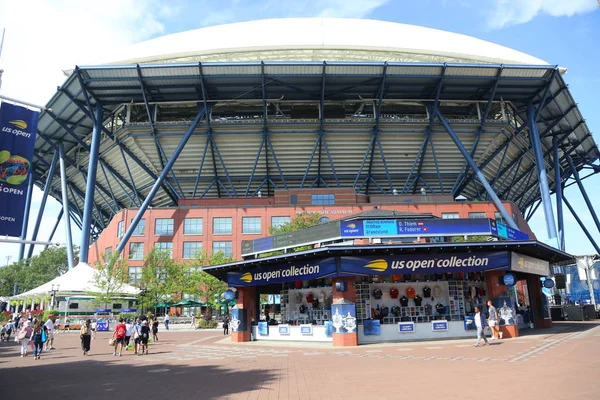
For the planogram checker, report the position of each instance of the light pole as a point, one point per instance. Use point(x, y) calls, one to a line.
point(8, 260)
point(53, 290)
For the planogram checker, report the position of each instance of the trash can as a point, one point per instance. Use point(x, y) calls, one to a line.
point(469, 323)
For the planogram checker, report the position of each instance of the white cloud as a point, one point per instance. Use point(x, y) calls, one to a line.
point(513, 12)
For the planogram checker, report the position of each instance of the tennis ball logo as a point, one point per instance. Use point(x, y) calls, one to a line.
point(246, 277)
point(13, 169)
point(378, 265)
point(19, 123)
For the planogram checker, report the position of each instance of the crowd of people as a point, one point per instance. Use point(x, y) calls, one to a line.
point(37, 336)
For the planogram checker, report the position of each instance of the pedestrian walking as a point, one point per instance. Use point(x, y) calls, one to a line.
point(129, 325)
point(37, 336)
point(23, 336)
point(167, 321)
point(493, 320)
point(85, 334)
point(480, 324)
point(67, 325)
point(193, 324)
point(155, 329)
point(9, 329)
point(226, 326)
point(94, 326)
point(50, 332)
point(137, 335)
point(144, 336)
point(119, 336)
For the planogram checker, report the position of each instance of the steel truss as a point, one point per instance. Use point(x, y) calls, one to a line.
point(120, 122)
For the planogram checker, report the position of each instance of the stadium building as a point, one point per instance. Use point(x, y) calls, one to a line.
point(204, 139)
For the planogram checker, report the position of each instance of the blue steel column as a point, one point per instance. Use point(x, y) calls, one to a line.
point(582, 189)
point(559, 195)
point(90, 186)
point(505, 214)
point(65, 204)
point(159, 181)
point(536, 143)
point(38, 221)
point(26, 216)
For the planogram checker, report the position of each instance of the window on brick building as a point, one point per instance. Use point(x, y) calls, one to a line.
point(140, 228)
point(191, 248)
point(192, 226)
point(323, 199)
point(477, 215)
point(222, 226)
point(450, 216)
point(251, 225)
point(225, 247)
point(107, 253)
point(164, 247)
point(135, 275)
point(276, 222)
point(136, 251)
point(120, 229)
point(498, 216)
point(163, 226)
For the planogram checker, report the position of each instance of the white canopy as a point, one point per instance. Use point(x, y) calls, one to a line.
point(79, 280)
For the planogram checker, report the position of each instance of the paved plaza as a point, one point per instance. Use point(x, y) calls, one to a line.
point(562, 363)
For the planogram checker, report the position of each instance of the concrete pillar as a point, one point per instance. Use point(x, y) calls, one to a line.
point(345, 339)
point(245, 301)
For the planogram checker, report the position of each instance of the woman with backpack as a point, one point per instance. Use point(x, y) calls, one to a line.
point(86, 336)
point(23, 337)
point(37, 336)
point(155, 329)
point(144, 336)
point(119, 335)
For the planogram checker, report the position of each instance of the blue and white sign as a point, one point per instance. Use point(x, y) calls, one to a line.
point(509, 279)
point(439, 326)
point(424, 263)
point(506, 232)
point(306, 329)
point(380, 227)
point(284, 329)
point(406, 327)
point(372, 327)
point(548, 283)
point(263, 328)
point(283, 272)
point(17, 138)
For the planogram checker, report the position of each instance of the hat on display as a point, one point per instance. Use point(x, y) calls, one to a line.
point(410, 292)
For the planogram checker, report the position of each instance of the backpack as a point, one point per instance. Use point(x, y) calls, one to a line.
point(121, 331)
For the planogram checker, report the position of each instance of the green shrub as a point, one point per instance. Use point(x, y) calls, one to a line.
point(204, 324)
point(126, 316)
point(48, 313)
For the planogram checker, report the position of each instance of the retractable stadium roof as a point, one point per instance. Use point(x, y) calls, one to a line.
point(271, 125)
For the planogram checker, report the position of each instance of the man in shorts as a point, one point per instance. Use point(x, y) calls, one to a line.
point(119, 335)
point(493, 320)
point(50, 332)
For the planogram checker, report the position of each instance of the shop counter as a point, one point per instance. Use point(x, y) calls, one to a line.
point(295, 333)
point(416, 331)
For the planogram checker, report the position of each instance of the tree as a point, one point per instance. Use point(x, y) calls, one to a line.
point(33, 272)
point(300, 221)
point(204, 284)
point(110, 278)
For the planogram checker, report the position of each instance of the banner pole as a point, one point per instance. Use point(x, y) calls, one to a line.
point(24, 103)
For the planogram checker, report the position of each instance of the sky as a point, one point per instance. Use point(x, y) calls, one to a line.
point(43, 38)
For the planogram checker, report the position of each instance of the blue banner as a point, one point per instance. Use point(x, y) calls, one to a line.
point(413, 227)
point(17, 138)
point(283, 273)
point(425, 263)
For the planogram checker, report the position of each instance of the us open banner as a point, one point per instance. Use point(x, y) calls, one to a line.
point(17, 138)
point(283, 273)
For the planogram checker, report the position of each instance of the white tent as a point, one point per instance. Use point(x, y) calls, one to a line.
point(76, 281)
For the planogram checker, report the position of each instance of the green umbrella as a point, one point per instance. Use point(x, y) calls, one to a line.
point(189, 303)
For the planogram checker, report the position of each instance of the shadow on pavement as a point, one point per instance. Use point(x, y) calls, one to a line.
point(562, 327)
point(92, 379)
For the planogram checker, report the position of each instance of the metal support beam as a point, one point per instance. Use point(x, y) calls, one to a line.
point(159, 181)
point(582, 189)
point(90, 187)
point(536, 143)
point(559, 194)
point(582, 225)
point(505, 214)
point(26, 216)
point(65, 204)
point(38, 221)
